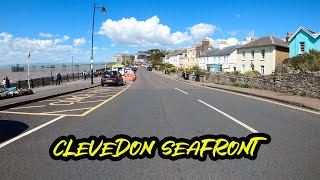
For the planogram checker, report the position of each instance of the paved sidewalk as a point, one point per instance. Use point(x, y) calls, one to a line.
point(306, 102)
point(47, 92)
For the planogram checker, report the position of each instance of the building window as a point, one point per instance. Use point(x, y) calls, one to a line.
point(243, 55)
point(263, 53)
point(252, 54)
point(262, 69)
point(185, 55)
point(301, 47)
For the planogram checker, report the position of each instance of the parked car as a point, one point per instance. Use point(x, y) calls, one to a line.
point(111, 77)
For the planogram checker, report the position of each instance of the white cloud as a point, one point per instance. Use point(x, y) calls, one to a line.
point(45, 35)
point(5, 36)
point(202, 30)
point(79, 42)
point(237, 15)
point(66, 38)
point(233, 32)
point(251, 34)
point(42, 51)
point(130, 31)
point(230, 42)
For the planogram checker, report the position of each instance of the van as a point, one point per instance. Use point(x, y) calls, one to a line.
point(119, 68)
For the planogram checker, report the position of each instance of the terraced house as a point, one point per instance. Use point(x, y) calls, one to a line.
point(262, 54)
point(216, 60)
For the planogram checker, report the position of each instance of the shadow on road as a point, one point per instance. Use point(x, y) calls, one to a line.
point(10, 129)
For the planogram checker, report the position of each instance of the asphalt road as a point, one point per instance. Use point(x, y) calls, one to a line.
point(161, 107)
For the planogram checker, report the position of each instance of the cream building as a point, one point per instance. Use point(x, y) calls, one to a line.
point(262, 54)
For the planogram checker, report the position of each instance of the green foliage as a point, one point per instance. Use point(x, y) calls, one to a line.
point(171, 69)
point(252, 72)
point(305, 62)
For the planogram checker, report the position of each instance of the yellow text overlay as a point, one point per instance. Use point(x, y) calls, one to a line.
point(120, 146)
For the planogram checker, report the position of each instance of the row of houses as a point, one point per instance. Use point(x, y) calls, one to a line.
point(261, 54)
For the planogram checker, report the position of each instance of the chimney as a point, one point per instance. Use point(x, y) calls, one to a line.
point(223, 44)
point(244, 41)
point(289, 35)
point(253, 39)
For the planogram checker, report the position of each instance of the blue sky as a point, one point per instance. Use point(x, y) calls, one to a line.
point(55, 30)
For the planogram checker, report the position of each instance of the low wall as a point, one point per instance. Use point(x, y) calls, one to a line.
point(304, 84)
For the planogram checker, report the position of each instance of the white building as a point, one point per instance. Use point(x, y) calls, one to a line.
point(216, 60)
point(262, 54)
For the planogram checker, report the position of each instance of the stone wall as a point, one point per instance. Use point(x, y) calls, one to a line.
point(304, 84)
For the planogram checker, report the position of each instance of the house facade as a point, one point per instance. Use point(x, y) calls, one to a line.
point(217, 60)
point(262, 54)
point(304, 40)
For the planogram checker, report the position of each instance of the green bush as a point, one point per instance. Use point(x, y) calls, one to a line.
point(252, 72)
point(305, 62)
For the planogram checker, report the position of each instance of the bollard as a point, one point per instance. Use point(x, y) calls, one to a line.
point(19, 84)
point(78, 76)
point(67, 78)
point(31, 83)
point(52, 80)
point(42, 81)
point(72, 77)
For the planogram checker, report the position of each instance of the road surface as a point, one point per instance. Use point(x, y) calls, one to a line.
point(157, 106)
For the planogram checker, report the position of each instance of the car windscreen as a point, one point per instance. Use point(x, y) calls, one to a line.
point(110, 74)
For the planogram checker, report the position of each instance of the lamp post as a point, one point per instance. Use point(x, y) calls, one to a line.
point(103, 10)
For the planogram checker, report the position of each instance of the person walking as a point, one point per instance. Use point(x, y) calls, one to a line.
point(58, 79)
point(85, 75)
point(7, 83)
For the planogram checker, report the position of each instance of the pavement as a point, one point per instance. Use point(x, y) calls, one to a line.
point(299, 101)
point(158, 106)
point(46, 92)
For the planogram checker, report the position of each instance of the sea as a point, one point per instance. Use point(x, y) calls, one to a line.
point(45, 70)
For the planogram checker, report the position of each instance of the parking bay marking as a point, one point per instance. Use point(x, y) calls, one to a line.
point(70, 115)
point(230, 117)
point(29, 132)
point(26, 107)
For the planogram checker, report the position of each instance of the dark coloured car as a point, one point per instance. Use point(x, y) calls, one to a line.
point(111, 77)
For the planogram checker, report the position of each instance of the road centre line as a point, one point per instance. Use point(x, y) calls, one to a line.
point(29, 132)
point(26, 107)
point(230, 117)
point(180, 90)
point(250, 96)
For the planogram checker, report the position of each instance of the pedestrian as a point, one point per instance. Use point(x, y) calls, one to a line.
point(58, 79)
point(7, 82)
point(4, 82)
point(85, 75)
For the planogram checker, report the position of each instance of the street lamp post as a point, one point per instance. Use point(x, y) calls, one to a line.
point(103, 10)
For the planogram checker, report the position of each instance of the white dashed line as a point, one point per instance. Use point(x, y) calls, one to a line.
point(230, 117)
point(180, 90)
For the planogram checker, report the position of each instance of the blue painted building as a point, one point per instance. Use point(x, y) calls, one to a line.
point(303, 40)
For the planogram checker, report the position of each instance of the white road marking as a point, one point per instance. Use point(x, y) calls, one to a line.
point(163, 82)
point(180, 90)
point(230, 117)
point(29, 132)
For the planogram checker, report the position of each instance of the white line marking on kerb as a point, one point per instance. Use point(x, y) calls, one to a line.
point(180, 90)
point(230, 117)
point(30, 131)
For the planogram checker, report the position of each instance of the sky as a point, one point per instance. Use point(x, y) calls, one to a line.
point(56, 30)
